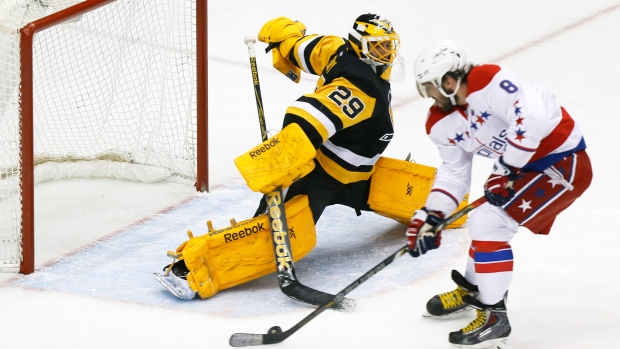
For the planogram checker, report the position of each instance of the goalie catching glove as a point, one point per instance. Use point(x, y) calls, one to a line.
point(420, 236)
point(281, 34)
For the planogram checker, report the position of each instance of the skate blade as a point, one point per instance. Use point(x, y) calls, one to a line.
point(456, 315)
point(164, 283)
point(500, 343)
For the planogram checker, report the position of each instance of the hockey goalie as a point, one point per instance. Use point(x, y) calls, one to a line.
point(328, 152)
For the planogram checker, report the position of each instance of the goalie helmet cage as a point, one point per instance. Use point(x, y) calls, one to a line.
point(101, 82)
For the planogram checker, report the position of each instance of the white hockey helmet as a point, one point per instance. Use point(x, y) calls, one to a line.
point(436, 61)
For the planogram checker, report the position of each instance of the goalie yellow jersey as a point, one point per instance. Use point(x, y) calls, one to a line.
point(348, 117)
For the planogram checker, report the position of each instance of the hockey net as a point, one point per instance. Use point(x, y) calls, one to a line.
point(103, 88)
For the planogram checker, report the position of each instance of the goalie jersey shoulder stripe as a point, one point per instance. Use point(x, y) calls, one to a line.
point(306, 56)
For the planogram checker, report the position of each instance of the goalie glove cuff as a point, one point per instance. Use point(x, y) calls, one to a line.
point(285, 66)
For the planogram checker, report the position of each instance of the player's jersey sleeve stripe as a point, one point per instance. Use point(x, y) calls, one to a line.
point(303, 54)
point(311, 59)
point(446, 193)
point(520, 147)
point(557, 137)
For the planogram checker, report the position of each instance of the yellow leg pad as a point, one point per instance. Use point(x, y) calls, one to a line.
point(242, 252)
point(400, 187)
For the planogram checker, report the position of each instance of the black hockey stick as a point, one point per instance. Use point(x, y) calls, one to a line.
point(277, 221)
point(275, 334)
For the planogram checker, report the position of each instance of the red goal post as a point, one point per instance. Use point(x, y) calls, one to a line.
point(88, 84)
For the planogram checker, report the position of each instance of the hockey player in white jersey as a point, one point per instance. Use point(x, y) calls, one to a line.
point(541, 168)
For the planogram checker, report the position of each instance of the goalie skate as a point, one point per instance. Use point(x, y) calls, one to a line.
point(177, 286)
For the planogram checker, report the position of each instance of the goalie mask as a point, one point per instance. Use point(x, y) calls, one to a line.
point(375, 42)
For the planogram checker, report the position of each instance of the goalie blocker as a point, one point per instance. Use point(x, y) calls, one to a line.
point(278, 161)
point(243, 251)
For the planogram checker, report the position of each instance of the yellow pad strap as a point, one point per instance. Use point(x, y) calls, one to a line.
point(279, 161)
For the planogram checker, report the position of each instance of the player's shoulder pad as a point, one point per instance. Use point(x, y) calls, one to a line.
point(480, 76)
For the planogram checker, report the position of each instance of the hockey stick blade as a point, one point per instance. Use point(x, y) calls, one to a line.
point(303, 293)
point(287, 279)
point(249, 339)
point(275, 334)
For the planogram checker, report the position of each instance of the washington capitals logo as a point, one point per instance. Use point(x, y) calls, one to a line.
point(442, 51)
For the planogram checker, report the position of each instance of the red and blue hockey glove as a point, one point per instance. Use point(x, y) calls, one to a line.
point(498, 188)
point(420, 236)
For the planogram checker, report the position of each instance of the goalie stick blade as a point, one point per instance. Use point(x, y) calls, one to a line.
point(249, 339)
point(302, 293)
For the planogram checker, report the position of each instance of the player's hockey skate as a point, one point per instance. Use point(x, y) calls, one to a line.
point(450, 304)
point(489, 329)
point(174, 279)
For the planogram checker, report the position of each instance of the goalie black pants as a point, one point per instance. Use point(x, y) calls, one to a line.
point(323, 190)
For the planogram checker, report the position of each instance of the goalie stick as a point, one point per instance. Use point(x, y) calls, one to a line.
point(276, 335)
point(287, 278)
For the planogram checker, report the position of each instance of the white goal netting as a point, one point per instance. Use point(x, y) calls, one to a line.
point(113, 88)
